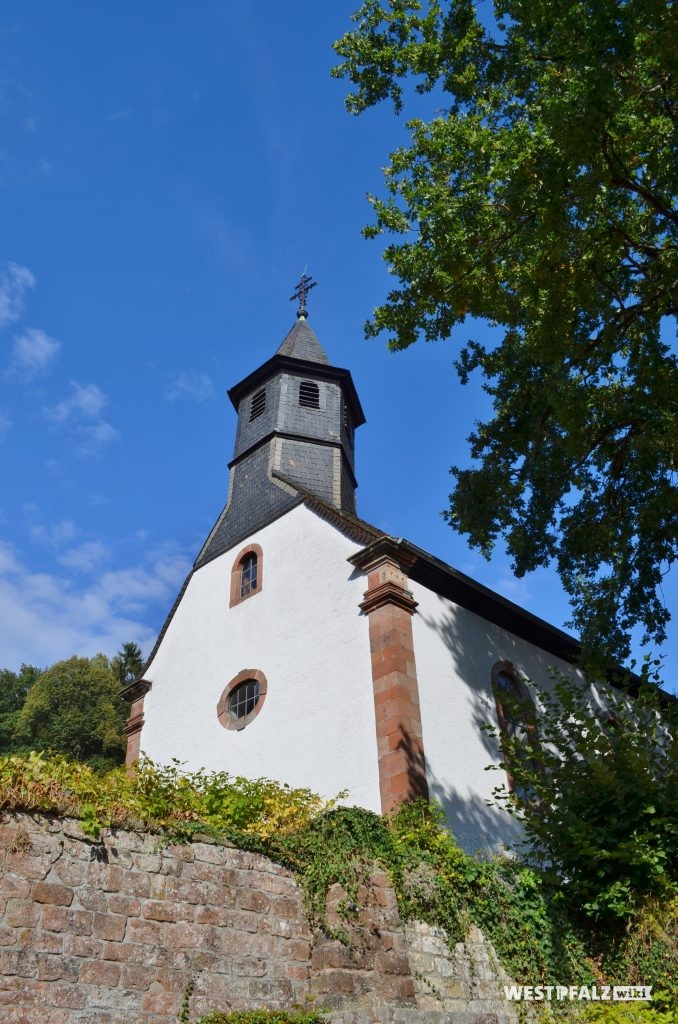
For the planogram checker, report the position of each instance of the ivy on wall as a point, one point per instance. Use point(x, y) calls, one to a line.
point(537, 932)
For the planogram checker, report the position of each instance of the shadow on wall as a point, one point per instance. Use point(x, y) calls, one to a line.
point(476, 826)
point(473, 652)
point(415, 763)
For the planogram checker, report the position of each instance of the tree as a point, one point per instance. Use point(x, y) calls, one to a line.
point(14, 689)
point(543, 199)
point(74, 708)
point(596, 789)
point(128, 663)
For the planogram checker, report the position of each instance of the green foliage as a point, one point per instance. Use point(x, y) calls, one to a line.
point(541, 196)
point(263, 1017)
point(603, 785)
point(14, 689)
point(526, 920)
point(74, 708)
point(164, 799)
point(626, 1013)
point(128, 663)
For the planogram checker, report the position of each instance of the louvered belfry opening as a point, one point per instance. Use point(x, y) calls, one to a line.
point(309, 394)
point(258, 404)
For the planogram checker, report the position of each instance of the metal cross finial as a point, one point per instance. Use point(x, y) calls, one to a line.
point(303, 288)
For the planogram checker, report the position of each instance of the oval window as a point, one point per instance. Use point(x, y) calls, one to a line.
point(242, 700)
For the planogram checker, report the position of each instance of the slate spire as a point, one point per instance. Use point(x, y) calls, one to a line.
point(301, 342)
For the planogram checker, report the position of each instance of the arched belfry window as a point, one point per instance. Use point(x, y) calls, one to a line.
point(516, 718)
point(309, 394)
point(258, 404)
point(247, 574)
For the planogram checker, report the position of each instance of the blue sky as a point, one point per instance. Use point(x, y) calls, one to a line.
point(167, 170)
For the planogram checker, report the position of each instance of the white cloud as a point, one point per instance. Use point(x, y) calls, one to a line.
point(96, 437)
point(85, 557)
point(45, 617)
point(32, 353)
point(189, 384)
point(84, 403)
point(85, 400)
point(15, 281)
point(53, 535)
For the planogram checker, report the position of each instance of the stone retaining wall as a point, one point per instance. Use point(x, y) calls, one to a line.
point(117, 932)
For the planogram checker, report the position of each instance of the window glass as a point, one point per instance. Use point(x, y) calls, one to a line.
point(243, 699)
point(248, 574)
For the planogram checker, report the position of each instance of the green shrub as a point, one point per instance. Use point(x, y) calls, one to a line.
point(626, 1013)
point(603, 785)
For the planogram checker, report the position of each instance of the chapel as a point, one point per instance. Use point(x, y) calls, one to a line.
point(309, 646)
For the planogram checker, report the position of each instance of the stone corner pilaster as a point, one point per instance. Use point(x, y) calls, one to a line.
point(134, 693)
point(389, 606)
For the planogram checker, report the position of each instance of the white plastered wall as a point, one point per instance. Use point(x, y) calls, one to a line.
point(304, 631)
point(455, 651)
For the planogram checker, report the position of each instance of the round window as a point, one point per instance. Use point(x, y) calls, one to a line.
point(242, 700)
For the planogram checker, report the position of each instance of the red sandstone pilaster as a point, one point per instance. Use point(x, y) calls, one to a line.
point(390, 606)
point(134, 693)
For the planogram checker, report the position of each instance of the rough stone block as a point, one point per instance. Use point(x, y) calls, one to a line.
point(109, 926)
point(21, 913)
point(100, 972)
point(23, 963)
point(61, 919)
point(130, 906)
point(48, 892)
point(146, 932)
point(159, 911)
point(83, 945)
point(137, 977)
point(53, 967)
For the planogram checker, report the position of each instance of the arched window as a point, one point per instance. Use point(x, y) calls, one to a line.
point(247, 574)
point(258, 404)
point(517, 723)
point(242, 699)
point(309, 394)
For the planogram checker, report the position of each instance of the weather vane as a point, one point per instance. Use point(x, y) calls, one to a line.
point(303, 288)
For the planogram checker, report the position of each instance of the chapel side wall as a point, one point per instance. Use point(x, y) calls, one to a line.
point(455, 651)
point(305, 633)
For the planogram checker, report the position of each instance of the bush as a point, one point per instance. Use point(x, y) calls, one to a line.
point(600, 795)
point(179, 804)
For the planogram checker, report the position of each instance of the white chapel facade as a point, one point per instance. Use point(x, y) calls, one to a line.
point(310, 647)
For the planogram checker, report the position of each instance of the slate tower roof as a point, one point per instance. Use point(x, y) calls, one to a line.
point(297, 415)
point(302, 343)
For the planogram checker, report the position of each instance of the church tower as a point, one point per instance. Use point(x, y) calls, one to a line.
point(297, 417)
